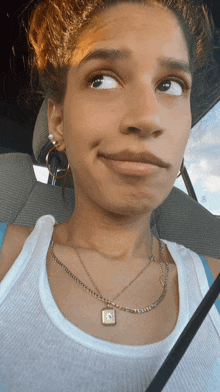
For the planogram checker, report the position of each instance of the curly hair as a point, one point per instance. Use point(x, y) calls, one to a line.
point(55, 27)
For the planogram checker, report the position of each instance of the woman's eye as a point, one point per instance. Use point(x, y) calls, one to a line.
point(169, 87)
point(172, 87)
point(106, 81)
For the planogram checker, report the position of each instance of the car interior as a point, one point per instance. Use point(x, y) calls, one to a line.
point(180, 218)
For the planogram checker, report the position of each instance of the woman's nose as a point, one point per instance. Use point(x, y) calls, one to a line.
point(142, 115)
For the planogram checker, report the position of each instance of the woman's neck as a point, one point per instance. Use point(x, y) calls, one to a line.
point(122, 240)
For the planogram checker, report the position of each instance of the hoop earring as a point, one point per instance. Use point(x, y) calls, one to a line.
point(181, 169)
point(47, 163)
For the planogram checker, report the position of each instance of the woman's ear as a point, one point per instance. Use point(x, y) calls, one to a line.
point(55, 122)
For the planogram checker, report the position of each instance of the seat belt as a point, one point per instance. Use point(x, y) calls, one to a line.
point(183, 342)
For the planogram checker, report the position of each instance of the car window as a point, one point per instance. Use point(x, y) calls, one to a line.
point(41, 173)
point(202, 161)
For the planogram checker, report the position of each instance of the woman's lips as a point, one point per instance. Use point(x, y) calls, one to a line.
point(131, 168)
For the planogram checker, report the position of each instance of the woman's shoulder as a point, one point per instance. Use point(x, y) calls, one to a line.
point(214, 265)
point(14, 239)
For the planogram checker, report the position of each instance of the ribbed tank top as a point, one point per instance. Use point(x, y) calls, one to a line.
point(42, 351)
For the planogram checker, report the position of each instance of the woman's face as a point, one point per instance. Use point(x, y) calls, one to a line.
point(137, 104)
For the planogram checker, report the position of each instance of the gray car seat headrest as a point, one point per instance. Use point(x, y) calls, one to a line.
point(41, 144)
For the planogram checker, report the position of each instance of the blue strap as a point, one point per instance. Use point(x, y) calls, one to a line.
point(3, 227)
point(210, 279)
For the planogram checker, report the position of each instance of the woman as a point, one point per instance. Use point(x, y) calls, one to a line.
point(119, 81)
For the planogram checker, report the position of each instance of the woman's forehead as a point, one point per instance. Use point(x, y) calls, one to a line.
point(122, 18)
point(152, 30)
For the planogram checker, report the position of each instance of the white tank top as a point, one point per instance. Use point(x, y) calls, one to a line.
point(42, 351)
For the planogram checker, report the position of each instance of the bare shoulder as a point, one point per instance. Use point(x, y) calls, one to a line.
point(15, 237)
point(214, 265)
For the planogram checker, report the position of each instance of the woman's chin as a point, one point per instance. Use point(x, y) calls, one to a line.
point(130, 209)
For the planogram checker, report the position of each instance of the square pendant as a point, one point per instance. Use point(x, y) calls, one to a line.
point(108, 316)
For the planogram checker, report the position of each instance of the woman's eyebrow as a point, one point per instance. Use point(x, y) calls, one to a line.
point(124, 54)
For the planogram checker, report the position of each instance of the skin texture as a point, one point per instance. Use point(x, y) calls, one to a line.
point(127, 110)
